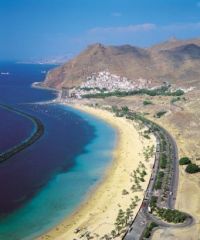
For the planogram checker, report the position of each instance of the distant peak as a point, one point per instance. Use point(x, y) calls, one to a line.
point(189, 46)
point(96, 45)
point(173, 39)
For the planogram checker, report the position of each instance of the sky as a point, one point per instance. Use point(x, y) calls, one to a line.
point(38, 29)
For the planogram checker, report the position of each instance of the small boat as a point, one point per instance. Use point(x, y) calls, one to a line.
point(43, 72)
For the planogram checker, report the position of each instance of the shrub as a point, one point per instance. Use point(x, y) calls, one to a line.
point(113, 233)
point(163, 161)
point(162, 91)
point(178, 92)
point(192, 168)
point(160, 114)
point(158, 184)
point(125, 109)
point(176, 99)
point(148, 230)
point(125, 192)
point(171, 215)
point(161, 174)
point(163, 145)
point(153, 201)
point(146, 136)
point(119, 114)
point(184, 161)
point(147, 102)
point(115, 109)
point(144, 173)
point(159, 180)
point(142, 179)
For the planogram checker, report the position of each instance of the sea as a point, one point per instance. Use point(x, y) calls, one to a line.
point(47, 181)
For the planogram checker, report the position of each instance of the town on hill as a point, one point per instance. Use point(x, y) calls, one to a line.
point(175, 62)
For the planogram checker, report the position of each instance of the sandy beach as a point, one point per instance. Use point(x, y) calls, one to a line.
point(98, 213)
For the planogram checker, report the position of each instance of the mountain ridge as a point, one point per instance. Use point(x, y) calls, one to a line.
point(175, 61)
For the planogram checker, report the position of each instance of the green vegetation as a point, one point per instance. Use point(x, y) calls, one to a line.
point(120, 112)
point(124, 218)
point(159, 179)
point(171, 215)
point(163, 161)
point(153, 202)
point(138, 176)
point(113, 233)
point(160, 114)
point(162, 91)
point(147, 102)
point(124, 110)
point(192, 168)
point(125, 192)
point(114, 109)
point(148, 152)
point(161, 174)
point(178, 92)
point(184, 161)
point(175, 99)
point(148, 230)
point(163, 145)
point(146, 133)
point(120, 221)
point(134, 202)
point(96, 88)
point(146, 136)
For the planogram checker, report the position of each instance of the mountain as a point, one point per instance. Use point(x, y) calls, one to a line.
point(175, 61)
point(173, 43)
point(182, 53)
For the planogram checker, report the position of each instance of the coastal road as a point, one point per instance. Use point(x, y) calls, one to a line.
point(175, 169)
point(143, 217)
point(136, 229)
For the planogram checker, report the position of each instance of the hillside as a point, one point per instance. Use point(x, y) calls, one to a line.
point(174, 61)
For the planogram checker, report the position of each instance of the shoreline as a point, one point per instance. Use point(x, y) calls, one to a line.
point(38, 85)
point(98, 212)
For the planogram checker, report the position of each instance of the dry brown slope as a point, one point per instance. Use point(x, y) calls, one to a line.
point(99, 58)
point(173, 62)
point(180, 64)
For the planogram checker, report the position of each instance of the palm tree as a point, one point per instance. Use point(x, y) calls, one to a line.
point(129, 214)
point(120, 221)
point(113, 233)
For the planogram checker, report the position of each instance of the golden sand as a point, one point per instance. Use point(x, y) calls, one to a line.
point(99, 211)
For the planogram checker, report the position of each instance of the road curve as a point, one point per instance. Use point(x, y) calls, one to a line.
point(143, 217)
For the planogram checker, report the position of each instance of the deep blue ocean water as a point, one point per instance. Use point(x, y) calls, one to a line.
point(48, 180)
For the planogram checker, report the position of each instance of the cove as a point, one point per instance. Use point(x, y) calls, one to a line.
point(64, 193)
point(48, 180)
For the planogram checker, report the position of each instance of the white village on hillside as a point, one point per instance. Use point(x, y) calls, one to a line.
point(106, 82)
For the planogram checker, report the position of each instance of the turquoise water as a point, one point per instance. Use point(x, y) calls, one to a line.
point(67, 189)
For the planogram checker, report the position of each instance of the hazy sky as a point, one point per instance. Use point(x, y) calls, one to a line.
point(47, 28)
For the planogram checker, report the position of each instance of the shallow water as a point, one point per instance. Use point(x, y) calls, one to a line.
point(47, 181)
